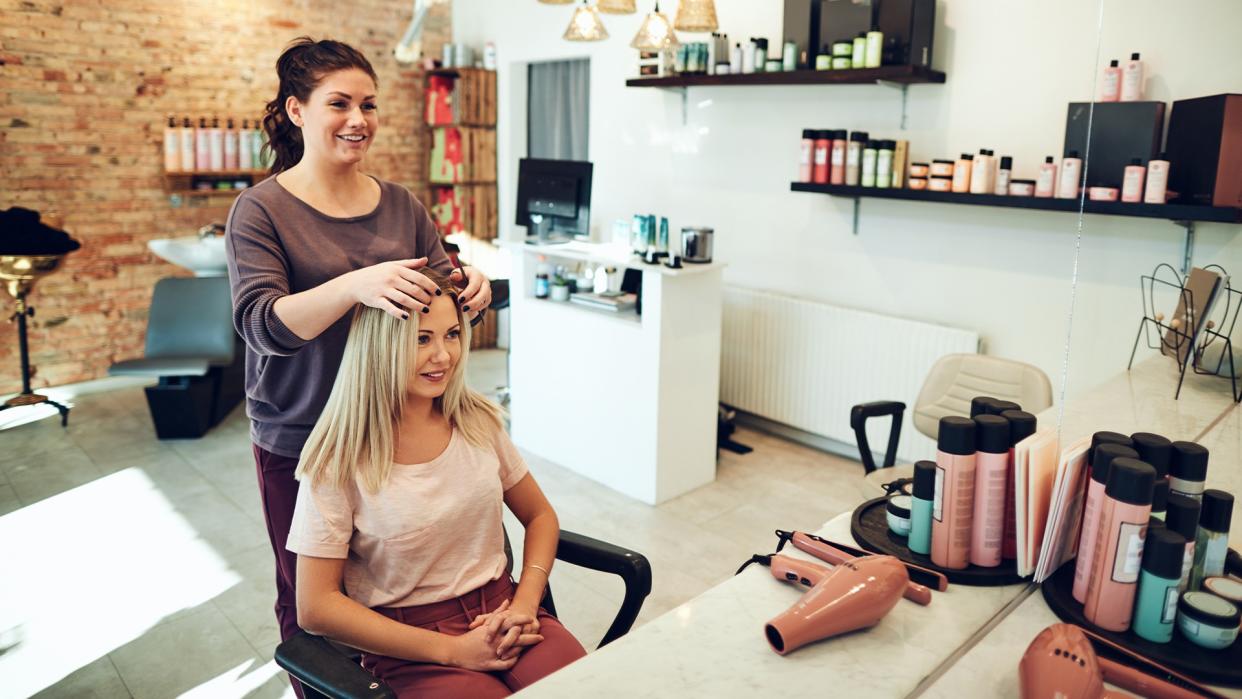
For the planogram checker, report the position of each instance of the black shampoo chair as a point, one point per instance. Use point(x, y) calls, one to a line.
point(193, 350)
point(326, 670)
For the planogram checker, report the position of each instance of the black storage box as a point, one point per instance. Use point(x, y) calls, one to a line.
point(908, 27)
point(1120, 132)
point(1205, 150)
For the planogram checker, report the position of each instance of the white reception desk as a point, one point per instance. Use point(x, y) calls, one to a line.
point(627, 400)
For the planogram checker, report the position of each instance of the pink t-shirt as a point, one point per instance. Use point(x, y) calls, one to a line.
point(432, 533)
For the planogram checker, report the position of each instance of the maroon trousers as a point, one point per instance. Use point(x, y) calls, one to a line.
point(279, 492)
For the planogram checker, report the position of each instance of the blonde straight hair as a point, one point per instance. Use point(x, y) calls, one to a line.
point(355, 435)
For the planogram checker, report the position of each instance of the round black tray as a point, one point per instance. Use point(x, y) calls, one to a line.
point(1223, 667)
point(869, 525)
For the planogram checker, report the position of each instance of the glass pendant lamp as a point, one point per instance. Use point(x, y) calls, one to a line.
point(585, 25)
point(616, 7)
point(656, 34)
point(696, 16)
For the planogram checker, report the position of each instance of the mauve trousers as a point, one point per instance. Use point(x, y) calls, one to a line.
point(409, 679)
point(278, 490)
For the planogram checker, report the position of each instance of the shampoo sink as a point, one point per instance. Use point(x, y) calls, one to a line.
point(204, 256)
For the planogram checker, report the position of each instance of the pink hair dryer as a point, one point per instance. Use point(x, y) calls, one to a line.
point(855, 595)
point(1061, 664)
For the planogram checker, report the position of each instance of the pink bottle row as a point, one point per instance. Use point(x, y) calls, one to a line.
point(986, 174)
point(213, 147)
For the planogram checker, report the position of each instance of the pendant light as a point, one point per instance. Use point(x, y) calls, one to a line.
point(656, 34)
point(696, 16)
point(585, 25)
point(616, 7)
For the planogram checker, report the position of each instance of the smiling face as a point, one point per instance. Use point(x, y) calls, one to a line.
point(439, 349)
point(339, 119)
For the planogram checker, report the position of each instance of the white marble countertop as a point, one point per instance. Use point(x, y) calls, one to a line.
point(713, 645)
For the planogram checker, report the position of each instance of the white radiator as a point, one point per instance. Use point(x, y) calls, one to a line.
point(805, 364)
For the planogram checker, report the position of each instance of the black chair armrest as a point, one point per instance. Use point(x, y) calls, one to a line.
point(632, 567)
point(859, 415)
point(321, 667)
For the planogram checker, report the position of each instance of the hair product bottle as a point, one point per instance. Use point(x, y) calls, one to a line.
point(1212, 540)
point(860, 50)
point(1003, 174)
point(923, 500)
point(172, 146)
point(991, 467)
point(961, 173)
point(215, 145)
point(1157, 180)
point(868, 163)
point(1021, 425)
point(1188, 469)
point(188, 155)
point(874, 48)
point(954, 508)
point(1132, 79)
point(1182, 516)
point(1071, 173)
point(1124, 514)
point(1046, 183)
point(836, 174)
point(817, 167)
point(245, 151)
point(1101, 463)
point(853, 157)
point(980, 168)
point(1111, 86)
point(202, 141)
point(1156, 608)
point(1132, 182)
point(230, 145)
point(884, 164)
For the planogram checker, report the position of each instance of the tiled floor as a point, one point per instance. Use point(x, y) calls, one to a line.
point(138, 567)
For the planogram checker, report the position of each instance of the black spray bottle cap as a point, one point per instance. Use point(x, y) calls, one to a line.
point(1106, 438)
point(1105, 454)
point(925, 480)
point(1155, 450)
point(979, 405)
point(1134, 56)
point(1006, 162)
point(1163, 552)
point(810, 134)
point(1217, 510)
point(1130, 481)
point(1190, 461)
point(1072, 154)
point(992, 434)
point(1181, 515)
point(1112, 63)
point(1136, 161)
point(859, 136)
point(1160, 495)
point(1021, 425)
point(956, 435)
point(967, 156)
point(999, 406)
point(1047, 158)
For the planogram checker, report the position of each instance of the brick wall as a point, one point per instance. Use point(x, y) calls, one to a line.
point(85, 88)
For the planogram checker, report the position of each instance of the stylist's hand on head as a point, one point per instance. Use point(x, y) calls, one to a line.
point(477, 295)
point(396, 287)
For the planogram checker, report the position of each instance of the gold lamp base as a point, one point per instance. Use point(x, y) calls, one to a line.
point(19, 273)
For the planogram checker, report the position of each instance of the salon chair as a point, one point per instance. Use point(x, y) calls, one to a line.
point(954, 380)
point(192, 349)
point(326, 669)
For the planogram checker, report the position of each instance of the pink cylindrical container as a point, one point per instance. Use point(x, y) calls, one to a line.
point(837, 158)
point(937, 183)
point(805, 155)
point(1132, 183)
point(954, 507)
point(991, 466)
point(822, 147)
point(1101, 462)
point(940, 168)
point(916, 183)
point(1021, 425)
point(1124, 513)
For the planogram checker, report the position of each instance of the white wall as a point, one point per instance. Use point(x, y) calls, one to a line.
point(1012, 67)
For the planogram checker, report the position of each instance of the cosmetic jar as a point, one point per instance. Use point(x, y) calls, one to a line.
point(1021, 188)
point(897, 512)
point(941, 168)
point(774, 65)
point(841, 62)
point(1207, 620)
point(1228, 589)
point(843, 48)
point(940, 183)
point(919, 170)
point(823, 62)
point(1102, 193)
point(917, 182)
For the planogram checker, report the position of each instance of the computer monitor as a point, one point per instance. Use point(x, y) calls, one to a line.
point(554, 199)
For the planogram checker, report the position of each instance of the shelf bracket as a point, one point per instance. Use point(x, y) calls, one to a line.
point(1189, 250)
point(905, 94)
point(685, 102)
point(857, 205)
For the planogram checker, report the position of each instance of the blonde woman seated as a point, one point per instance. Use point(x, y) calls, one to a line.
point(398, 519)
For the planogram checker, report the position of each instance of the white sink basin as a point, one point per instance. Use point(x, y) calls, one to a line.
point(202, 256)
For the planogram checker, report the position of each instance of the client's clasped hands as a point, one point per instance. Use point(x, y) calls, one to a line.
point(496, 639)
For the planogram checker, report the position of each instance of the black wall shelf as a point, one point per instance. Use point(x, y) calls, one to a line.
point(898, 75)
point(1184, 215)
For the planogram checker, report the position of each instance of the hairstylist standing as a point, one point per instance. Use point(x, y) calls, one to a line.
point(304, 247)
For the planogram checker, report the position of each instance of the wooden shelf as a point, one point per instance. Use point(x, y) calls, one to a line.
point(1172, 212)
point(219, 174)
point(900, 75)
point(463, 183)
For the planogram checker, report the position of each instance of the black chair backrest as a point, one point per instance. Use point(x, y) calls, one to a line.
point(500, 294)
point(191, 317)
